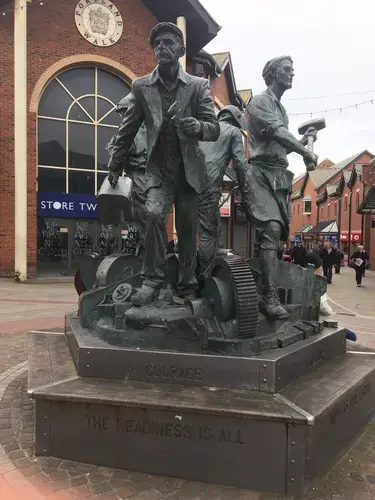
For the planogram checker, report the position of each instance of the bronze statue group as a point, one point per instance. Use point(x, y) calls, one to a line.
point(175, 149)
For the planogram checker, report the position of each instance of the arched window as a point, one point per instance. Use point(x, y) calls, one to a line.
point(76, 120)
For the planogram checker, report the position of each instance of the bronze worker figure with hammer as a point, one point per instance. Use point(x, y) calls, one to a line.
point(268, 181)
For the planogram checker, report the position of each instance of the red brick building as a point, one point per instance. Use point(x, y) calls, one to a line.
point(78, 66)
point(367, 210)
point(325, 203)
point(303, 207)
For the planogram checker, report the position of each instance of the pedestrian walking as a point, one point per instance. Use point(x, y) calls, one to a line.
point(298, 255)
point(358, 262)
point(339, 257)
point(328, 256)
point(367, 266)
point(283, 253)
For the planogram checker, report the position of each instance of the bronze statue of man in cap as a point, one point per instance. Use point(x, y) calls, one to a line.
point(178, 112)
point(135, 166)
point(229, 147)
point(268, 181)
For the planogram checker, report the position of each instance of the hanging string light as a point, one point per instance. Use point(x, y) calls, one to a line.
point(361, 92)
point(341, 108)
point(30, 3)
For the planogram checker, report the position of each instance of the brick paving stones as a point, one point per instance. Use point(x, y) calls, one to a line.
point(26, 477)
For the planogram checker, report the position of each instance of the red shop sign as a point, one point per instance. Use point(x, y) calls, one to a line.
point(356, 237)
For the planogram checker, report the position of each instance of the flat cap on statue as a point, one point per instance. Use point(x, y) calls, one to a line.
point(235, 112)
point(163, 28)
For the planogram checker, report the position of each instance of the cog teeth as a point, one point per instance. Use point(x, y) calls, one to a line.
point(245, 291)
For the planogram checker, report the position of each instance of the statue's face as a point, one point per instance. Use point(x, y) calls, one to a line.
point(168, 48)
point(285, 74)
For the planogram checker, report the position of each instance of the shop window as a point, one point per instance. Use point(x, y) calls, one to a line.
point(307, 207)
point(76, 120)
point(51, 143)
point(78, 82)
point(81, 146)
point(81, 182)
point(52, 180)
point(55, 101)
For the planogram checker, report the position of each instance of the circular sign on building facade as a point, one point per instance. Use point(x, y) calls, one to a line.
point(99, 21)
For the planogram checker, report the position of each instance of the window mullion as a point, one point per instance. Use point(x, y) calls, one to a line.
point(96, 134)
point(67, 158)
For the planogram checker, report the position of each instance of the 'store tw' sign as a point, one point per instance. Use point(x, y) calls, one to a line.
point(67, 205)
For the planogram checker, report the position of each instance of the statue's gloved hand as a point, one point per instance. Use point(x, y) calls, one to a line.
point(310, 132)
point(311, 160)
point(190, 126)
point(113, 177)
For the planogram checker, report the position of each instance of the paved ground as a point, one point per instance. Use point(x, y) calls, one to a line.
point(24, 477)
point(31, 307)
point(355, 307)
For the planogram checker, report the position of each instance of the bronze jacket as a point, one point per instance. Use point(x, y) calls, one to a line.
point(193, 100)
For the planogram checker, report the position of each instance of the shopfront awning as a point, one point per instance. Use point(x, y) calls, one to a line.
point(368, 204)
point(325, 227)
point(304, 229)
point(296, 194)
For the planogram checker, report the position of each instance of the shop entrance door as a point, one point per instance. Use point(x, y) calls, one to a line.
point(64, 243)
point(81, 242)
point(52, 247)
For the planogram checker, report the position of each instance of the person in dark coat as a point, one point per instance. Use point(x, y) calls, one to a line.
point(339, 257)
point(359, 260)
point(228, 147)
point(178, 112)
point(284, 253)
point(298, 254)
point(329, 258)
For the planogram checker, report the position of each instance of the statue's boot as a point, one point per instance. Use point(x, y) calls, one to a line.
point(145, 296)
point(190, 295)
point(270, 304)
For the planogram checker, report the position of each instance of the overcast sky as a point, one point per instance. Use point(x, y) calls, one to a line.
point(332, 43)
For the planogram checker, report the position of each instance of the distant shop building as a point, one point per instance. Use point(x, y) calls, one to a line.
point(325, 203)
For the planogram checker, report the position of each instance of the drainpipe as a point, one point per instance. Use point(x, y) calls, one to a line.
point(318, 214)
point(20, 140)
point(363, 216)
point(350, 222)
point(339, 222)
